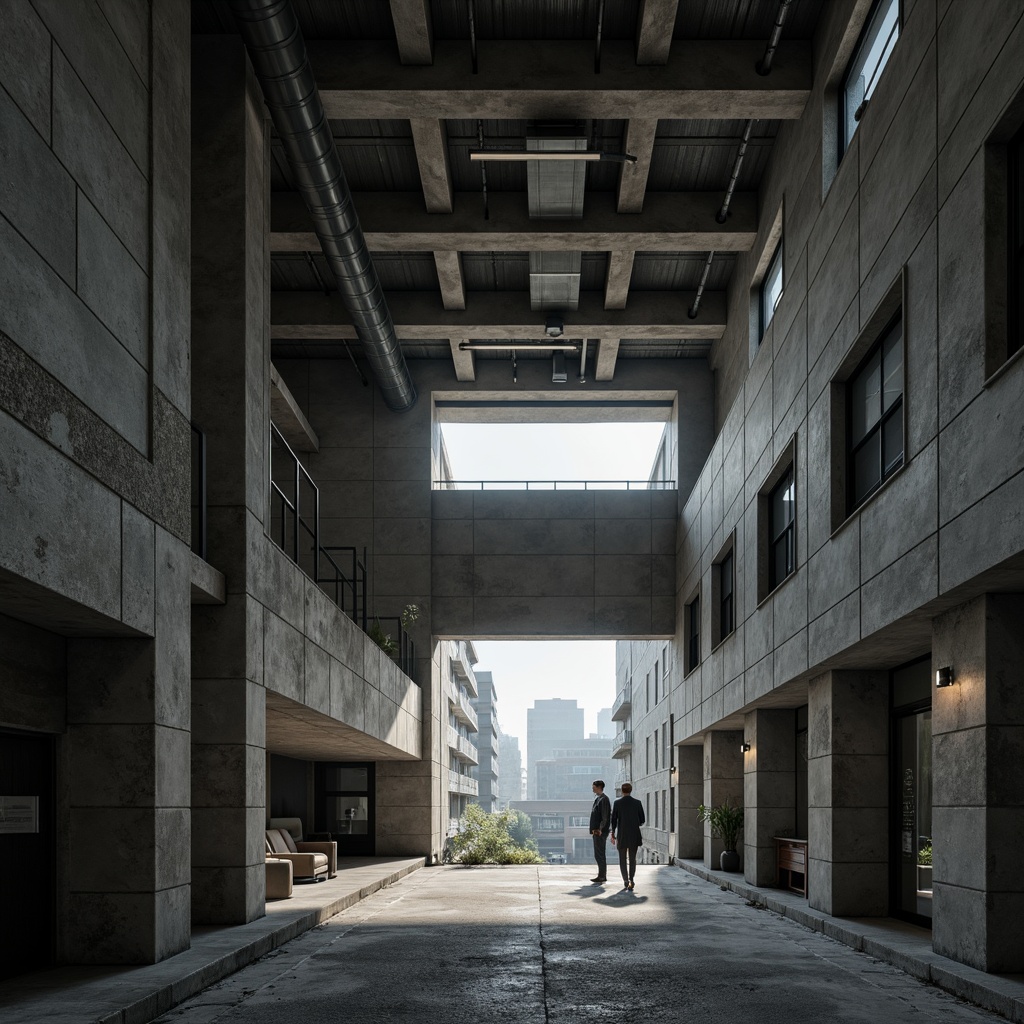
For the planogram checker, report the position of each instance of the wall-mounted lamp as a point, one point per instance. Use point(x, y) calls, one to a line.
point(744, 747)
point(944, 676)
point(672, 770)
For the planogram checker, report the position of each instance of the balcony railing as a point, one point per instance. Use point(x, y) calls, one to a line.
point(554, 485)
point(462, 747)
point(623, 706)
point(464, 784)
point(461, 707)
point(623, 743)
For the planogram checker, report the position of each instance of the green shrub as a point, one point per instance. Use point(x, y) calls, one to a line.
point(726, 822)
point(488, 839)
point(924, 855)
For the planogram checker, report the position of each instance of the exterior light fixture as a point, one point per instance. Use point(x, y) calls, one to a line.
point(522, 346)
point(541, 154)
point(944, 676)
point(744, 747)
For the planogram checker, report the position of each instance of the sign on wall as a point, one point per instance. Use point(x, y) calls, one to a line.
point(19, 814)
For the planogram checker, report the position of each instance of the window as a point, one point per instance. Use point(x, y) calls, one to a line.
point(647, 757)
point(873, 50)
point(654, 742)
point(656, 698)
point(666, 762)
point(875, 411)
point(579, 821)
point(725, 605)
point(771, 289)
point(693, 634)
point(647, 689)
point(550, 824)
point(781, 533)
point(1015, 331)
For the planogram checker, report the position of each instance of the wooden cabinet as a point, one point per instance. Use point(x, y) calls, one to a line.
point(791, 864)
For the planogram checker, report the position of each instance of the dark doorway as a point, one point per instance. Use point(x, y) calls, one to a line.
point(911, 854)
point(345, 806)
point(27, 858)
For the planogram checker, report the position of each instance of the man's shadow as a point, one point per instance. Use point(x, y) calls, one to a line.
point(622, 898)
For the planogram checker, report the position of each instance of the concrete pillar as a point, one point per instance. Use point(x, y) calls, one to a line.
point(230, 401)
point(125, 762)
point(978, 785)
point(723, 781)
point(689, 796)
point(848, 793)
point(769, 789)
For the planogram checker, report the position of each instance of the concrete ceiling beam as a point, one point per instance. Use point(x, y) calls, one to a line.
point(430, 137)
point(414, 31)
point(607, 354)
point(465, 362)
point(397, 222)
point(640, 133)
point(419, 316)
point(450, 278)
point(616, 285)
point(703, 79)
point(655, 24)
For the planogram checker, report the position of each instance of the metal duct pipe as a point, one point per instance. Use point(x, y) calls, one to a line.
point(276, 48)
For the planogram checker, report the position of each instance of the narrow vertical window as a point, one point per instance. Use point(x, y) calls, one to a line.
point(871, 55)
point(725, 604)
point(1015, 331)
point(693, 634)
point(781, 532)
point(656, 697)
point(875, 427)
point(771, 289)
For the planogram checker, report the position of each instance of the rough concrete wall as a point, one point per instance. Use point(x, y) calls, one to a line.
point(907, 199)
point(572, 564)
point(94, 447)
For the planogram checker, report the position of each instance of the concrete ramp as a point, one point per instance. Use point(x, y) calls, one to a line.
point(557, 564)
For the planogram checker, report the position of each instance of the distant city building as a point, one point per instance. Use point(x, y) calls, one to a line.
point(551, 725)
point(511, 785)
point(570, 773)
point(488, 770)
point(605, 725)
point(460, 689)
point(561, 828)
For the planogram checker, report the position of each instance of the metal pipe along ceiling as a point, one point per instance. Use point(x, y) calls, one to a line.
point(277, 50)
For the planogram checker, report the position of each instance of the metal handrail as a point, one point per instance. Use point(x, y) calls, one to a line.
point(353, 584)
point(554, 485)
point(406, 648)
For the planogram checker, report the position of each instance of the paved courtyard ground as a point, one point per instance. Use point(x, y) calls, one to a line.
point(542, 945)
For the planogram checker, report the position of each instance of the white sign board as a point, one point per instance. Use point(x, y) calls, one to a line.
point(19, 814)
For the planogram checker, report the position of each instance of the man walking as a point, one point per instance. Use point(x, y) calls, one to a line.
point(600, 814)
point(627, 817)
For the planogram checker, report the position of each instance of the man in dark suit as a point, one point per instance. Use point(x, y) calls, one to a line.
point(600, 814)
point(627, 817)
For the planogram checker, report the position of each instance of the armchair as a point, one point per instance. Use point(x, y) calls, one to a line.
point(318, 861)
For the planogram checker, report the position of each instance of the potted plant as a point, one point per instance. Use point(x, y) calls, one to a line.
point(726, 822)
point(924, 867)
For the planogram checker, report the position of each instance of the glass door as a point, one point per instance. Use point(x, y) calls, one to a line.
point(345, 806)
point(911, 859)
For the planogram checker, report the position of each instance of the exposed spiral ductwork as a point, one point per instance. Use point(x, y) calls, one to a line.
point(277, 50)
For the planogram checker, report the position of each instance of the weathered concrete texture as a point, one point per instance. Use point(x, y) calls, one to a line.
point(977, 797)
point(572, 563)
point(520, 943)
point(848, 790)
point(723, 783)
point(769, 789)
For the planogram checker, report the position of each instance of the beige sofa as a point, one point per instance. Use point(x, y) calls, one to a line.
point(316, 861)
point(279, 878)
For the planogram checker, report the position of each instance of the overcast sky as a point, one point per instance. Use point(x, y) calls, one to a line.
point(525, 671)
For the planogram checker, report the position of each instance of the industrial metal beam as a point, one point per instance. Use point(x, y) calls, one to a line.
point(419, 316)
point(397, 222)
point(703, 79)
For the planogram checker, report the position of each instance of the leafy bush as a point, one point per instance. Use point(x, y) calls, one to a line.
point(924, 855)
point(487, 839)
point(381, 639)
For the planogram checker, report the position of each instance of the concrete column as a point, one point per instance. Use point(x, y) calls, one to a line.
point(769, 789)
point(125, 759)
point(450, 278)
point(656, 22)
point(848, 793)
point(616, 285)
point(413, 31)
point(230, 396)
point(430, 137)
point(640, 133)
point(723, 781)
point(978, 785)
point(689, 796)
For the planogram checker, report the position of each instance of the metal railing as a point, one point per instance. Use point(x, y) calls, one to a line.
point(348, 591)
point(198, 492)
point(624, 698)
point(405, 649)
point(554, 485)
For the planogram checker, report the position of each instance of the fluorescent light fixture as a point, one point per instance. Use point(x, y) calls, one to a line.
point(546, 154)
point(521, 346)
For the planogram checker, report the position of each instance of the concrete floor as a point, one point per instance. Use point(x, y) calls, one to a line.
point(542, 945)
